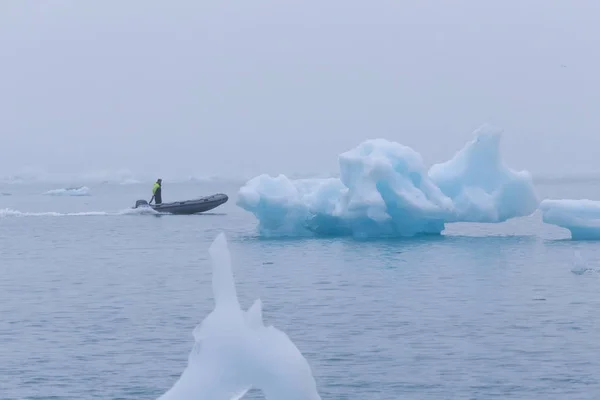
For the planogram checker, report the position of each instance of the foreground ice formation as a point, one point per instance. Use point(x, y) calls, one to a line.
point(581, 217)
point(234, 351)
point(384, 190)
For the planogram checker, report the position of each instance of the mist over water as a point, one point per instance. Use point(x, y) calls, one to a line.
point(199, 89)
point(99, 300)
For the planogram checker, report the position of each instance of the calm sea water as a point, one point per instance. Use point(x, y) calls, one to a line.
point(103, 306)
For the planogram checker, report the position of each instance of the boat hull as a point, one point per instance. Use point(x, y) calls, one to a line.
point(187, 207)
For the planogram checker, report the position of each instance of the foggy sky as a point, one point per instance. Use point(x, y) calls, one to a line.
point(196, 87)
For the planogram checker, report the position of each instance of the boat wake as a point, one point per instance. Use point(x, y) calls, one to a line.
point(8, 212)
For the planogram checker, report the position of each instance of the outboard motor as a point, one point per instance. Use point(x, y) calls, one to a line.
point(141, 203)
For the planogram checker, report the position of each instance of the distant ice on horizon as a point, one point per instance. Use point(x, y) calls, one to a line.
point(127, 177)
point(75, 191)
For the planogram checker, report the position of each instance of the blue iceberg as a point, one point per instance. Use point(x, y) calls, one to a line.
point(384, 190)
point(481, 187)
point(580, 217)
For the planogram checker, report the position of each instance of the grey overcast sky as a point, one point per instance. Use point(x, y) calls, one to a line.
point(196, 87)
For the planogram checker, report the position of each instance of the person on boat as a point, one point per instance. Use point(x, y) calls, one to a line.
point(157, 192)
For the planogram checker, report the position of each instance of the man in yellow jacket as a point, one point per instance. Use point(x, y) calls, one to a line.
point(157, 192)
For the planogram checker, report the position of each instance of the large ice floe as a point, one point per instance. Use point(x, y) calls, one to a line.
point(580, 217)
point(384, 190)
point(234, 351)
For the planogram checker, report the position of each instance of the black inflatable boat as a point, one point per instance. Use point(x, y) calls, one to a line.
point(187, 207)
